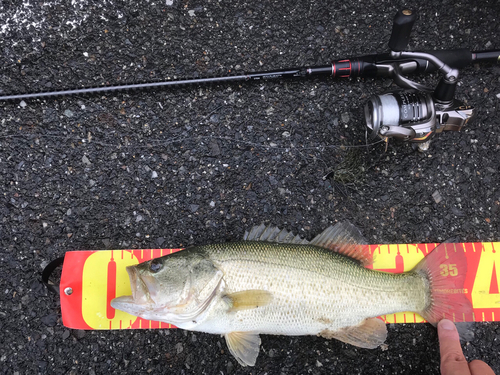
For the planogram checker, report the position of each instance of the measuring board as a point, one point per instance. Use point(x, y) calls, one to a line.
point(91, 279)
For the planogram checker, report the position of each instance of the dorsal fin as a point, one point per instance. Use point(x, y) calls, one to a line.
point(272, 234)
point(344, 238)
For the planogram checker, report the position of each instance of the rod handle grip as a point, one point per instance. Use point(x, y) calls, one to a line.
point(401, 29)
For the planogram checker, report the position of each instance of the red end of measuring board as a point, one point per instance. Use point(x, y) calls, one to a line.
point(96, 277)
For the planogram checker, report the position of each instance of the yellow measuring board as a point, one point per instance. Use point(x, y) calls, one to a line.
point(96, 277)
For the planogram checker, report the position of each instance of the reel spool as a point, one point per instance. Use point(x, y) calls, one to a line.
point(414, 116)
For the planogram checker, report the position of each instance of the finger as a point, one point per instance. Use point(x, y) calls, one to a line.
point(453, 361)
point(478, 367)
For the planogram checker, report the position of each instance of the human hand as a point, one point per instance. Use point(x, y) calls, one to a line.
point(453, 361)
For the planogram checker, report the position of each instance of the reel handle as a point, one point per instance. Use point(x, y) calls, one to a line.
point(401, 29)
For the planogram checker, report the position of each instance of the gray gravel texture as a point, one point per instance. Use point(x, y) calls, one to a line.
point(202, 164)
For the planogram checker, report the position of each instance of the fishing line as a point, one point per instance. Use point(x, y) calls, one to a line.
point(161, 142)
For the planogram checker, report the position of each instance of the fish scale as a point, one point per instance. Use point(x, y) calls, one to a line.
point(309, 287)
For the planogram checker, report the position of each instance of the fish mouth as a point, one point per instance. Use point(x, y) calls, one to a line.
point(140, 292)
point(123, 303)
point(140, 297)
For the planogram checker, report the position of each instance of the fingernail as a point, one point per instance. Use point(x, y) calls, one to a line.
point(447, 324)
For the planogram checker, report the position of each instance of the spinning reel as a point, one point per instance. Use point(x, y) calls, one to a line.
point(415, 112)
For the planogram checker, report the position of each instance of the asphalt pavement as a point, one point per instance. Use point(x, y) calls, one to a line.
point(197, 165)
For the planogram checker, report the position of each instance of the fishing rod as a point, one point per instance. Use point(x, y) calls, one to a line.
point(413, 113)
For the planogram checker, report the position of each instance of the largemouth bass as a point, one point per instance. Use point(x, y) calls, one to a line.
point(275, 283)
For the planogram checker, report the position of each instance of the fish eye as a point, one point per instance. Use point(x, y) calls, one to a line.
point(156, 265)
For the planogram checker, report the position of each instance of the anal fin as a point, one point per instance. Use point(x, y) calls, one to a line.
point(244, 346)
point(248, 299)
point(369, 334)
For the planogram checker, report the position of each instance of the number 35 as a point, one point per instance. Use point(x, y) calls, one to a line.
point(448, 270)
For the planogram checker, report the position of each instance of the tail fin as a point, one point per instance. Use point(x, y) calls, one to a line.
point(445, 269)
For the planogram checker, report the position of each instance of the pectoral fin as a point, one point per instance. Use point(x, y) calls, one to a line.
point(248, 299)
point(369, 334)
point(244, 346)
